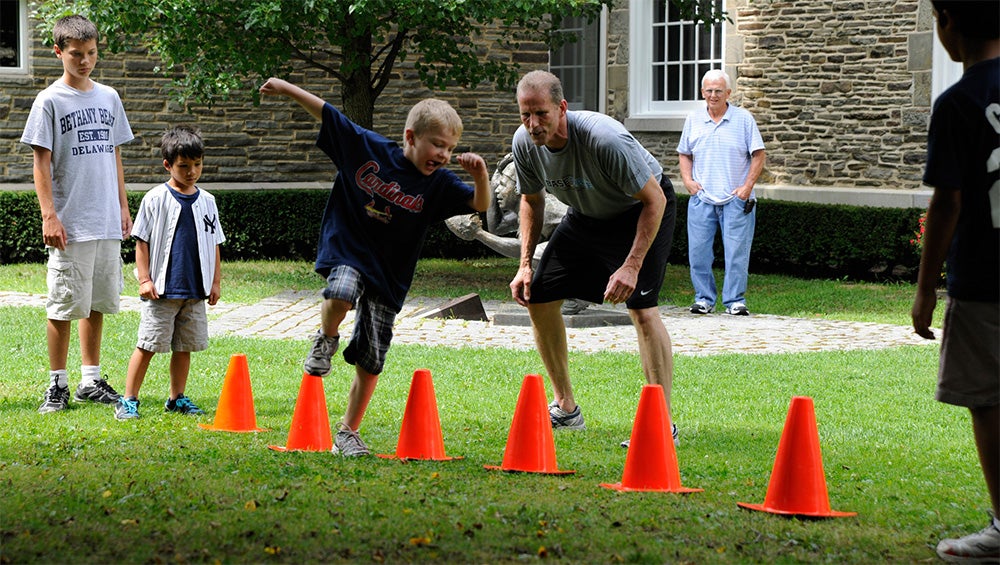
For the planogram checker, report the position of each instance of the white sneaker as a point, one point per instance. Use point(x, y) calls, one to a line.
point(980, 547)
point(737, 309)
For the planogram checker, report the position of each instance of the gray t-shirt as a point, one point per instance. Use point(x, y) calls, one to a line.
point(597, 173)
point(82, 129)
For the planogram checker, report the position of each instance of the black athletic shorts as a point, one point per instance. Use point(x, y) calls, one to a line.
point(583, 253)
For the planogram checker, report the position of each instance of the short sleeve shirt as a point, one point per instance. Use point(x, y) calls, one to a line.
point(721, 152)
point(82, 129)
point(597, 173)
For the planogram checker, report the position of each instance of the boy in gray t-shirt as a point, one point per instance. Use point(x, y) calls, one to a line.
point(74, 129)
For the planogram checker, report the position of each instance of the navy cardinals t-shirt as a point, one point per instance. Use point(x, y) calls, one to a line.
point(380, 207)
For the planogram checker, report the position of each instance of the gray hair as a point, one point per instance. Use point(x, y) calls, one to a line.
point(716, 74)
point(543, 81)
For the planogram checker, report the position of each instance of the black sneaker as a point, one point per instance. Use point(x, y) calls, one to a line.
point(98, 391)
point(56, 399)
point(182, 405)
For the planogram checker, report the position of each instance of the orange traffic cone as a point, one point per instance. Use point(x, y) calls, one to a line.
point(798, 485)
point(420, 435)
point(651, 463)
point(235, 412)
point(530, 445)
point(310, 430)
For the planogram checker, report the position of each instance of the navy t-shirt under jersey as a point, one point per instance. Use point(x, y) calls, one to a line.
point(380, 207)
point(964, 136)
point(184, 267)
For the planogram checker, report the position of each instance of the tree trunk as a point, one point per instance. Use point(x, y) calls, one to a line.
point(359, 98)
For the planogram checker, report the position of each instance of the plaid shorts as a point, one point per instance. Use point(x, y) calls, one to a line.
point(373, 319)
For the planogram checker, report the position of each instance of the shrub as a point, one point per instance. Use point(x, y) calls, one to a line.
point(813, 240)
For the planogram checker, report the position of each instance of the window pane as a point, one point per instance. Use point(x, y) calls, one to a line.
point(659, 84)
point(10, 34)
point(689, 50)
point(576, 63)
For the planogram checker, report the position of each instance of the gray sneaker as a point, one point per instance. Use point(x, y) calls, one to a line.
point(97, 391)
point(56, 398)
point(127, 408)
point(348, 443)
point(318, 361)
point(673, 432)
point(980, 547)
point(562, 419)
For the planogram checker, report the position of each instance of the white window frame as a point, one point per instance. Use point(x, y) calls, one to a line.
point(944, 71)
point(645, 114)
point(23, 43)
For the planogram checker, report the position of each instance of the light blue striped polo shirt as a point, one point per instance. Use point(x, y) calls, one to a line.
point(721, 151)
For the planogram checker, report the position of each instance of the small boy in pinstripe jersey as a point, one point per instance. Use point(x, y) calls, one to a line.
point(179, 269)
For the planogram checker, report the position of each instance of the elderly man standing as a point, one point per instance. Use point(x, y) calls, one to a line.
point(613, 243)
point(721, 156)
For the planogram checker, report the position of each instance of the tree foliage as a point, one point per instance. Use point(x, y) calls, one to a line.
point(212, 48)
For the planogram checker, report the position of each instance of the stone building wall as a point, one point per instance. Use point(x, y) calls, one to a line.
point(840, 89)
point(270, 143)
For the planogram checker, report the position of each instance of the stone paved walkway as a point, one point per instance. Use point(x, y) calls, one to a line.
point(295, 315)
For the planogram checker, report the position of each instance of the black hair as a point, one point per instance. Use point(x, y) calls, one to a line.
point(183, 141)
point(976, 19)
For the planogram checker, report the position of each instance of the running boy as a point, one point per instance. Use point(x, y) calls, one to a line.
point(383, 201)
point(963, 224)
point(179, 266)
point(75, 128)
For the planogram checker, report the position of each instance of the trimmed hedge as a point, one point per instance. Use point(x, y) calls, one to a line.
point(812, 240)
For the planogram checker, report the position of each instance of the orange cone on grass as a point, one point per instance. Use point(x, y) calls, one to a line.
point(420, 435)
point(310, 429)
point(235, 412)
point(651, 463)
point(798, 484)
point(531, 447)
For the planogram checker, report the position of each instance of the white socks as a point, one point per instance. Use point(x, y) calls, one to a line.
point(59, 378)
point(89, 374)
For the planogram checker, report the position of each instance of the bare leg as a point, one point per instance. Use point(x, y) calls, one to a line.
point(333, 313)
point(655, 348)
point(362, 388)
point(550, 338)
point(57, 335)
point(91, 330)
point(137, 367)
point(180, 366)
point(986, 427)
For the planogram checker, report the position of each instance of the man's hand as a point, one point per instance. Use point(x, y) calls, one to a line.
point(520, 287)
point(621, 285)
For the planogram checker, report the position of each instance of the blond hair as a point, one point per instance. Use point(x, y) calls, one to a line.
point(432, 114)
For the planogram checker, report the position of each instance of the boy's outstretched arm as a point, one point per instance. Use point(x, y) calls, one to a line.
point(312, 103)
point(476, 166)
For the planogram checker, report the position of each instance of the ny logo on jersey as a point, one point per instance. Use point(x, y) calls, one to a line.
point(210, 223)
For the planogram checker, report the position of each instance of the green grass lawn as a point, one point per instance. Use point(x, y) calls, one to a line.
point(78, 486)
